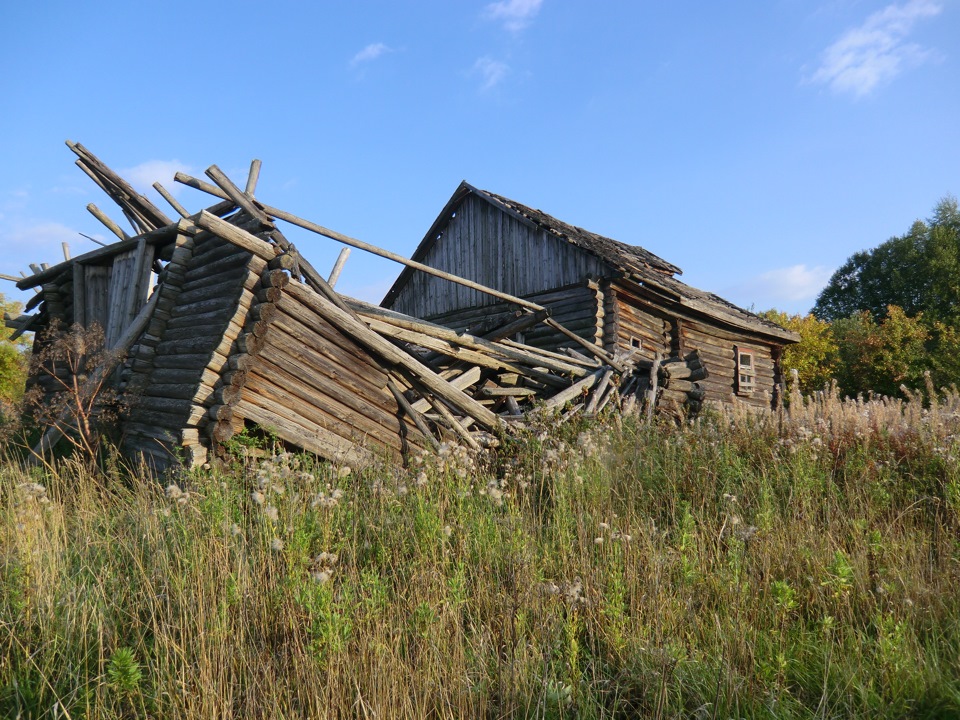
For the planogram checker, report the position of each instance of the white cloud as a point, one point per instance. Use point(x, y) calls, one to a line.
point(491, 71)
point(781, 287)
point(515, 14)
point(38, 242)
point(144, 175)
point(370, 53)
point(875, 52)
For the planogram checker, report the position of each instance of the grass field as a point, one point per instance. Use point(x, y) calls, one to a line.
point(801, 565)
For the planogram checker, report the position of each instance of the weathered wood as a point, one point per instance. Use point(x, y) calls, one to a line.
point(312, 328)
point(338, 266)
point(598, 392)
point(390, 354)
point(165, 194)
point(131, 197)
point(308, 436)
point(53, 434)
point(451, 422)
point(413, 414)
point(491, 392)
point(318, 355)
point(243, 201)
point(652, 391)
point(462, 380)
point(296, 401)
point(373, 405)
point(466, 354)
point(252, 177)
point(360, 245)
point(110, 224)
point(417, 332)
point(237, 236)
point(575, 390)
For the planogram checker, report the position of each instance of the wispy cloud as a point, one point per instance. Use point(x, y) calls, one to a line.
point(514, 14)
point(370, 53)
point(35, 242)
point(874, 53)
point(144, 175)
point(491, 72)
point(781, 286)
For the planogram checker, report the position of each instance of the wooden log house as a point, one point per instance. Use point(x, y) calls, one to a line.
point(215, 322)
point(621, 297)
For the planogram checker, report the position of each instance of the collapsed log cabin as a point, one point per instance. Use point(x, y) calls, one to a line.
point(619, 296)
point(214, 322)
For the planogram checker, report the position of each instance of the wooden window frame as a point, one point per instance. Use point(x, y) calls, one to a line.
point(746, 376)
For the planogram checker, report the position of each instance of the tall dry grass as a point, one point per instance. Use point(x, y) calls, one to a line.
point(793, 564)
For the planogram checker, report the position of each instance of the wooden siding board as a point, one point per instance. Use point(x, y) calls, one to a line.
point(490, 247)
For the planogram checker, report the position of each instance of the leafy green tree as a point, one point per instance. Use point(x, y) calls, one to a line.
point(815, 356)
point(918, 272)
point(13, 357)
point(881, 356)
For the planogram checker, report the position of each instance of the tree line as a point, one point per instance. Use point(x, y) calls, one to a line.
point(887, 316)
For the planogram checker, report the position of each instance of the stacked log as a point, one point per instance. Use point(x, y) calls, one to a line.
point(677, 383)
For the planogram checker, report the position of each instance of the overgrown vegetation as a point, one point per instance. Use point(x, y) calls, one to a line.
point(784, 565)
point(888, 315)
point(14, 360)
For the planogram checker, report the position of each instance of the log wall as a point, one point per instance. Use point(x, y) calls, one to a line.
point(171, 375)
point(315, 387)
point(716, 348)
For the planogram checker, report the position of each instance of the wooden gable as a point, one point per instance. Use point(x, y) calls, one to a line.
point(483, 243)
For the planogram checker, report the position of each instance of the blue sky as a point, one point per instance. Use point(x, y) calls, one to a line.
point(756, 145)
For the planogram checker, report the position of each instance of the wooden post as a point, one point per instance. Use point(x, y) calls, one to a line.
point(654, 380)
point(414, 415)
point(338, 266)
point(252, 177)
point(164, 193)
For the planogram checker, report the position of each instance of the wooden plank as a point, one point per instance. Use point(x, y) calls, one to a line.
point(360, 245)
point(461, 381)
point(360, 379)
point(380, 347)
point(356, 378)
point(312, 395)
point(313, 438)
point(338, 266)
point(413, 415)
point(575, 390)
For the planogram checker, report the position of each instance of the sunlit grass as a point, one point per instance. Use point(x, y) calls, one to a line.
point(783, 565)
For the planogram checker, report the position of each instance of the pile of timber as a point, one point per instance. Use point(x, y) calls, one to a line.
point(240, 329)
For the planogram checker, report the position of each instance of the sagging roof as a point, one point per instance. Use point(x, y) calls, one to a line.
point(632, 262)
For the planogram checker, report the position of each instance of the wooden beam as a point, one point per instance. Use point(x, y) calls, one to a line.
point(338, 266)
point(105, 219)
point(165, 194)
point(391, 354)
point(252, 177)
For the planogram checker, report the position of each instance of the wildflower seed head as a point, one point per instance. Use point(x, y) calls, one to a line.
point(258, 497)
